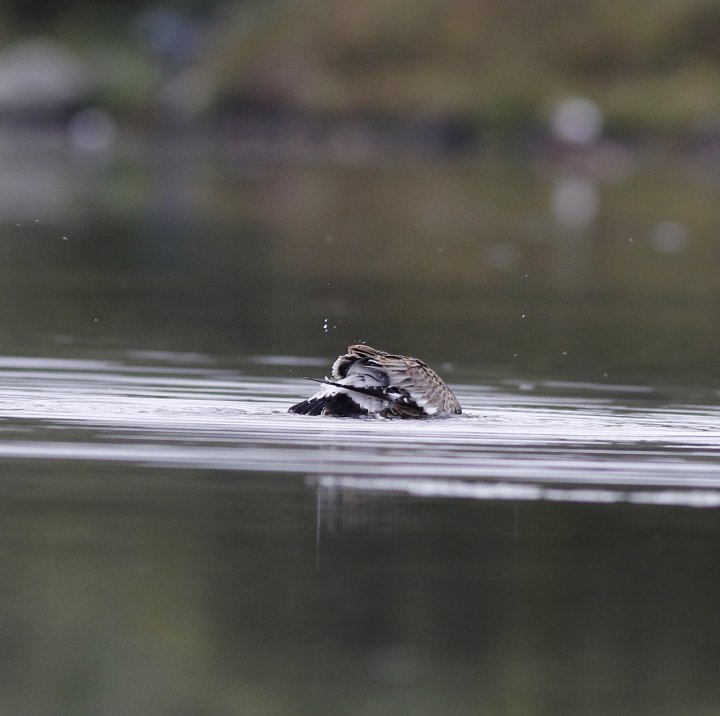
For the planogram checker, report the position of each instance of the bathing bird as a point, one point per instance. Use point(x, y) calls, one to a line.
point(366, 381)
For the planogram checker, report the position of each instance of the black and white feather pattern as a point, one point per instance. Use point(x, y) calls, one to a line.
point(366, 381)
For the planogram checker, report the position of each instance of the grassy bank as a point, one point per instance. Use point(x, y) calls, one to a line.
point(651, 66)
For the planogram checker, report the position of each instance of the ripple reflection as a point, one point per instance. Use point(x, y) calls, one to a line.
point(542, 441)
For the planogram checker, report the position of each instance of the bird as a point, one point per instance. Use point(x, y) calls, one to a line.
point(366, 381)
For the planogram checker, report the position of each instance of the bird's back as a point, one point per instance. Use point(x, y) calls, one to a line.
point(414, 385)
point(367, 381)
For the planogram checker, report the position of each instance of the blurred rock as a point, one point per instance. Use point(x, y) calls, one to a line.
point(39, 77)
point(577, 120)
point(92, 131)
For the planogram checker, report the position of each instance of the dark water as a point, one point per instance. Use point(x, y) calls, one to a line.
point(173, 542)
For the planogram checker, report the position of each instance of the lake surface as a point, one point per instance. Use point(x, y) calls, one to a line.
point(178, 543)
point(172, 541)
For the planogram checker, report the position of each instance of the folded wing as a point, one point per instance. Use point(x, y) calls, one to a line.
point(367, 381)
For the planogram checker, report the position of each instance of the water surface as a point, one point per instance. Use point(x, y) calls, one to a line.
point(172, 541)
point(178, 541)
point(542, 440)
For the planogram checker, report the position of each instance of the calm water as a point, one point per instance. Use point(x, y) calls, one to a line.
point(173, 542)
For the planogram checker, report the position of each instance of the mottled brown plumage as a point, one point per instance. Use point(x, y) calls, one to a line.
point(366, 381)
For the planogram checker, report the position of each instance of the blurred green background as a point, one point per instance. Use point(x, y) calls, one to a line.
point(510, 187)
point(651, 65)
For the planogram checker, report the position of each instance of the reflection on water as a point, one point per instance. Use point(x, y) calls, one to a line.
point(179, 543)
point(568, 435)
point(465, 262)
point(173, 542)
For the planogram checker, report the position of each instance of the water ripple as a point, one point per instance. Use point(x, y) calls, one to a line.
point(558, 441)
